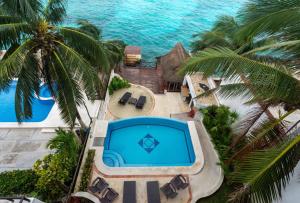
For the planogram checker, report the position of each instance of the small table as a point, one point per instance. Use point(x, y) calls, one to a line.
point(132, 101)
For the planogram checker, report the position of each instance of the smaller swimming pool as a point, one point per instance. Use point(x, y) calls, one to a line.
point(148, 141)
point(40, 107)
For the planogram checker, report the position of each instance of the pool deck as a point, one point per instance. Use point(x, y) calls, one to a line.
point(20, 148)
point(202, 184)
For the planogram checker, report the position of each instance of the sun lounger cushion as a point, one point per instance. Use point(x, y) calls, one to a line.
point(141, 102)
point(153, 192)
point(98, 185)
point(129, 192)
point(125, 98)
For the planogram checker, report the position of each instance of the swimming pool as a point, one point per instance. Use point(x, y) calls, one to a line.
point(40, 107)
point(148, 141)
point(155, 25)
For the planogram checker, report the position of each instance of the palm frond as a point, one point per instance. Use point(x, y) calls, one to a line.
point(271, 22)
point(11, 66)
point(87, 46)
point(65, 143)
point(55, 11)
point(90, 29)
point(11, 33)
point(264, 131)
point(69, 94)
point(26, 9)
point(285, 44)
point(244, 126)
point(265, 173)
point(27, 86)
point(284, 86)
point(81, 69)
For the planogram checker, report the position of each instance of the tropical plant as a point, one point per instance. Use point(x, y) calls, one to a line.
point(218, 121)
point(39, 49)
point(116, 84)
point(222, 34)
point(114, 48)
point(87, 171)
point(268, 74)
point(17, 182)
point(55, 170)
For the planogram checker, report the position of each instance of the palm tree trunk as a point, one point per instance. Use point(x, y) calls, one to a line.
point(82, 124)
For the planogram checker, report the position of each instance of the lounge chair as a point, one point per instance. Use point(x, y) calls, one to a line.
point(98, 185)
point(153, 192)
point(141, 102)
point(179, 182)
point(169, 190)
point(124, 99)
point(108, 196)
point(129, 192)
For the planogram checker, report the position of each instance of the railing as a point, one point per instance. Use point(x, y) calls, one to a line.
point(13, 199)
point(294, 130)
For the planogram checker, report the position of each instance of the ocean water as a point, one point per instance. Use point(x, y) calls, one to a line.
point(155, 25)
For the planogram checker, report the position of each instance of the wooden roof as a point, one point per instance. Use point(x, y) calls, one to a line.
point(170, 63)
point(133, 50)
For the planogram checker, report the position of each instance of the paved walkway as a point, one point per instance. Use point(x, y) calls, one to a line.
point(20, 148)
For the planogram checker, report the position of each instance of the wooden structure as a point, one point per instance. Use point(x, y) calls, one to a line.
point(169, 65)
point(133, 55)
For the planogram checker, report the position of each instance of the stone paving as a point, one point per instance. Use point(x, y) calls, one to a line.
point(20, 148)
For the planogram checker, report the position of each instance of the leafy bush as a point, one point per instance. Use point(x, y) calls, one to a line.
point(55, 171)
point(218, 121)
point(116, 84)
point(17, 182)
point(87, 169)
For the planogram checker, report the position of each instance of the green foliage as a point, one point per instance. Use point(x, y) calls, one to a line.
point(55, 170)
point(218, 121)
point(70, 58)
point(116, 84)
point(264, 173)
point(17, 182)
point(87, 171)
point(220, 196)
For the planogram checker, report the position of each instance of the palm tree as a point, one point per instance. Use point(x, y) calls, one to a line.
point(66, 144)
point(222, 34)
point(114, 48)
point(38, 48)
point(263, 159)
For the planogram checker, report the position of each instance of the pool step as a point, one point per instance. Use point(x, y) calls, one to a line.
point(112, 158)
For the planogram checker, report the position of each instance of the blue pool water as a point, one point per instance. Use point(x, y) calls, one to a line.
point(148, 141)
point(40, 109)
point(155, 25)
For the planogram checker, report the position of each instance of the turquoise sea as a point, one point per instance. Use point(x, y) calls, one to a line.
point(155, 25)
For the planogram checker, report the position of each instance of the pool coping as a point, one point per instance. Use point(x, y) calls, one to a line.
point(100, 131)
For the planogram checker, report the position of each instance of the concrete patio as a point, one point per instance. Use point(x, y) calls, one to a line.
point(20, 148)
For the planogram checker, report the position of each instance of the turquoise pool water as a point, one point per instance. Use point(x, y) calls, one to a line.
point(40, 108)
point(155, 25)
point(148, 141)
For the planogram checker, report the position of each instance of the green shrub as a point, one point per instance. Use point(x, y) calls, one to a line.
point(218, 121)
point(87, 170)
point(55, 171)
point(116, 84)
point(17, 182)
